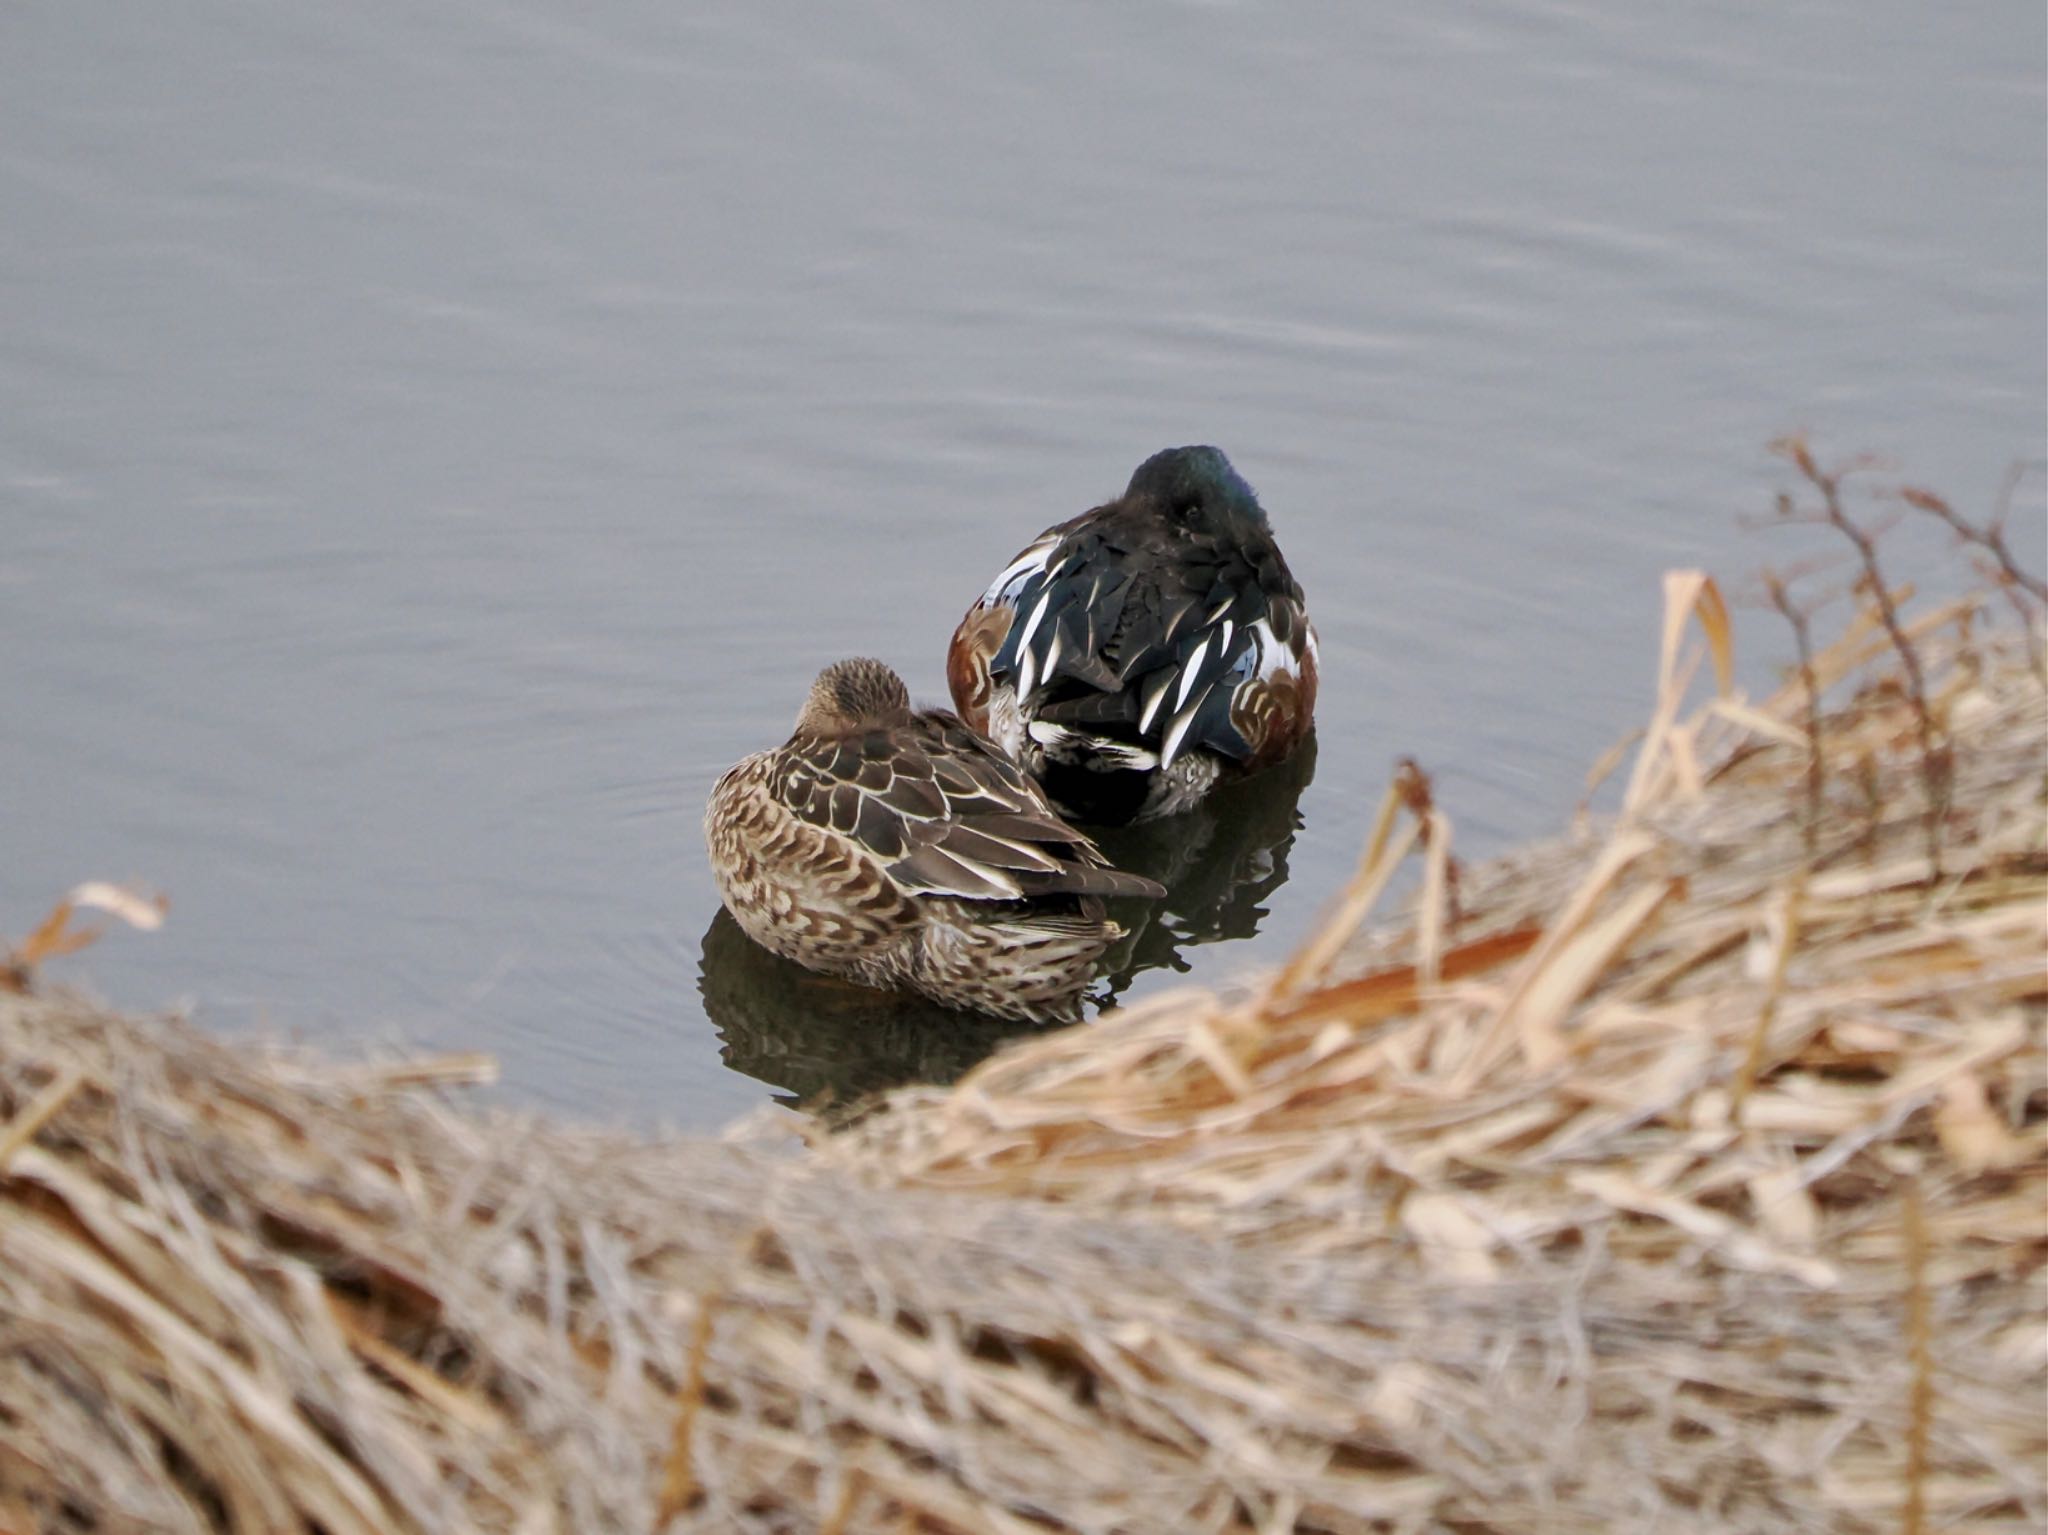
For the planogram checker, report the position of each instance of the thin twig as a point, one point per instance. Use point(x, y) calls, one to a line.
point(1990, 537)
point(1934, 760)
point(2001, 570)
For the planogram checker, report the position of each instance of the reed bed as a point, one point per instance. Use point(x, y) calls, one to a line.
point(1684, 1174)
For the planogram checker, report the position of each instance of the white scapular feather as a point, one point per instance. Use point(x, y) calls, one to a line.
point(1154, 699)
point(1031, 625)
point(1181, 722)
point(1030, 562)
point(1192, 672)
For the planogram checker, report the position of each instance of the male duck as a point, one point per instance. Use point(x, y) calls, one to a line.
point(900, 849)
point(1131, 657)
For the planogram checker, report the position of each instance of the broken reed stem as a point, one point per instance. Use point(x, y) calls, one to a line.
point(1816, 764)
point(1432, 910)
point(1781, 960)
point(1920, 1351)
point(1375, 869)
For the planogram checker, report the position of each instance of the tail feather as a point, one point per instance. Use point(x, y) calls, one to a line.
point(1110, 882)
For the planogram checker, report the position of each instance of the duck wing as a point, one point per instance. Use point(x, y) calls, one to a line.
point(945, 814)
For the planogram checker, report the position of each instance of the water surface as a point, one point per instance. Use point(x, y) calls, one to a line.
point(435, 441)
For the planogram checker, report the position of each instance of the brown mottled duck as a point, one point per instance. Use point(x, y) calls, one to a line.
point(900, 849)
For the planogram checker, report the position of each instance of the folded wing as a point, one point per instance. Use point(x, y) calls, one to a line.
point(946, 815)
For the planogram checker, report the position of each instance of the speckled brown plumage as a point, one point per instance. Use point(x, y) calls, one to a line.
point(901, 850)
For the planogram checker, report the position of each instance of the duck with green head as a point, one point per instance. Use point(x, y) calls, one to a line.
point(1133, 657)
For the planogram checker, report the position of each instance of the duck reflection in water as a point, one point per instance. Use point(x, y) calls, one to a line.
point(1220, 862)
point(829, 1043)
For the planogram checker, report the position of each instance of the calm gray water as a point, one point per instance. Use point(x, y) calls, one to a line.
point(436, 439)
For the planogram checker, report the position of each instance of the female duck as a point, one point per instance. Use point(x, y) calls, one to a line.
point(1135, 655)
point(900, 849)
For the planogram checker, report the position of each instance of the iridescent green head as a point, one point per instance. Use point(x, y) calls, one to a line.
point(1197, 487)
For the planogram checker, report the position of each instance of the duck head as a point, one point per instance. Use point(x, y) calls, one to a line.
point(852, 696)
point(1197, 489)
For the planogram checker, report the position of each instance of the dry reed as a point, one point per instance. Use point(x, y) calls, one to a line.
point(1686, 1176)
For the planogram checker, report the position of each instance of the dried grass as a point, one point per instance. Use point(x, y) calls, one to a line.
point(1689, 1175)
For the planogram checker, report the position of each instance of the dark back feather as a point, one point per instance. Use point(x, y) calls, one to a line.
point(1146, 615)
